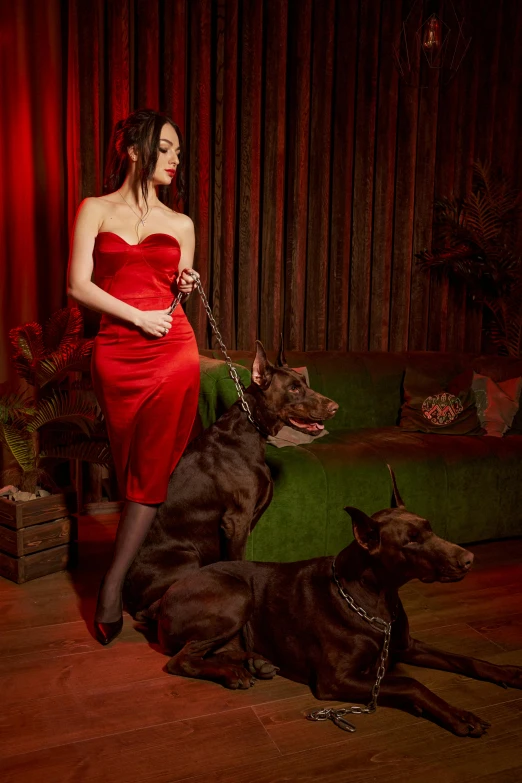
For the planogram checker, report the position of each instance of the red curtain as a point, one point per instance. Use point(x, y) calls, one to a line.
point(33, 239)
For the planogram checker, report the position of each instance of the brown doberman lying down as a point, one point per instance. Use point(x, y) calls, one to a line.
point(231, 622)
point(222, 485)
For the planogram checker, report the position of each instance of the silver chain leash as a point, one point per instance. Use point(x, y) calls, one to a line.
point(231, 369)
point(337, 715)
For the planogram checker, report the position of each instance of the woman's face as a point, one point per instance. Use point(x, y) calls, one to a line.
point(168, 156)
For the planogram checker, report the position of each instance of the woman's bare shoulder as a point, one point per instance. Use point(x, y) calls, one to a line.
point(94, 203)
point(182, 221)
point(179, 222)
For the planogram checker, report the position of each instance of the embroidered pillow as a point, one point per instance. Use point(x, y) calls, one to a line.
point(497, 403)
point(444, 405)
point(288, 436)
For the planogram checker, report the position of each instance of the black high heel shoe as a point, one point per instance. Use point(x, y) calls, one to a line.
point(106, 632)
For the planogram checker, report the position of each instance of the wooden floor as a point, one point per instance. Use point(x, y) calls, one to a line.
point(74, 711)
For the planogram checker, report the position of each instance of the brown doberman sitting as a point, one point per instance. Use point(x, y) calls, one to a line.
point(231, 622)
point(222, 485)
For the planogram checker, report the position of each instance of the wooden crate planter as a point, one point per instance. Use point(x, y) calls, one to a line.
point(37, 537)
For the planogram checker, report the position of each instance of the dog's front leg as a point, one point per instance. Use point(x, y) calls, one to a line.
point(407, 694)
point(235, 529)
point(420, 654)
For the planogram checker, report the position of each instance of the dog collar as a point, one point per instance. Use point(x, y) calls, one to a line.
point(376, 622)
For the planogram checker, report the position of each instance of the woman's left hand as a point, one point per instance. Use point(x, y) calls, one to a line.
point(186, 282)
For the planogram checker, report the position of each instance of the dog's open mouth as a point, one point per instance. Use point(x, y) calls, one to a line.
point(311, 427)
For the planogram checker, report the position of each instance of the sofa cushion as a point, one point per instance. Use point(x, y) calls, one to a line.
point(438, 401)
point(497, 403)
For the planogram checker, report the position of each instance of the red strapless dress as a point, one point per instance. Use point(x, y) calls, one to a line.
point(147, 387)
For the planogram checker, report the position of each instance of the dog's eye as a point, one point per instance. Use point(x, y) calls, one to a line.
point(295, 387)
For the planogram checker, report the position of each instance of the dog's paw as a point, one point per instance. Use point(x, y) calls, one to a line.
point(237, 678)
point(510, 676)
point(466, 724)
point(261, 668)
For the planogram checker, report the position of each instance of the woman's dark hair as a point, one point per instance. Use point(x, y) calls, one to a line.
point(142, 130)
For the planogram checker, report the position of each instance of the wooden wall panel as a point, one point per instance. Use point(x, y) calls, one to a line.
point(408, 110)
point(274, 149)
point(363, 177)
point(343, 126)
point(383, 206)
point(423, 213)
point(312, 167)
point(298, 107)
point(249, 173)
point(216, 261)
point(316, 308)
point(227, 286)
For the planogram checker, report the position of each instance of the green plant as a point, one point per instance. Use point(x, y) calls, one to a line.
point(59, 420)
point(476, 242)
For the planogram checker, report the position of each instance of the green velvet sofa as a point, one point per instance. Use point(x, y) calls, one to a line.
point(469, 487)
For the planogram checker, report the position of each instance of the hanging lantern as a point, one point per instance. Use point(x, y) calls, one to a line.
point(440, 43)
point(431, 40)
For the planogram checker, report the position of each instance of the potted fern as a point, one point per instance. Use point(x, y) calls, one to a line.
point(476, 242)
point(54, 422)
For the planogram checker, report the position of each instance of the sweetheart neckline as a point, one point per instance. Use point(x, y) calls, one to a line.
point(137, 244)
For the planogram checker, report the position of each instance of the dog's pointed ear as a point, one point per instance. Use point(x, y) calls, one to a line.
point(281, 358)
point(365, 529)
point(261, 368)
point(396, 494)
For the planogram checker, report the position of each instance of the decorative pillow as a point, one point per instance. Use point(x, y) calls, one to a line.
point(287, 436)
point(497, 403)
point(442, 405)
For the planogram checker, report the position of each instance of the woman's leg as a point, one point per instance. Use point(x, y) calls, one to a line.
point(134, 524)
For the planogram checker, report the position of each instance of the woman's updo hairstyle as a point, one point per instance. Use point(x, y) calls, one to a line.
point(141, 130)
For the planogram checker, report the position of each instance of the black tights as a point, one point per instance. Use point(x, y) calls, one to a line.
point(134, 524)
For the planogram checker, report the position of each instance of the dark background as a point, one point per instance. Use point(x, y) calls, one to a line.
point(312, 167)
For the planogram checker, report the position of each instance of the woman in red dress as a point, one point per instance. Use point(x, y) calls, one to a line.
point(145, 364)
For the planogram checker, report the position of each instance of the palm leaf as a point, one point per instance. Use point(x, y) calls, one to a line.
point(59, 408)
point(27, 348)
point(70, 357)
point(481, 219)
point(504, 199)
point(20, 444)
point(14, 406)
point(63, 328)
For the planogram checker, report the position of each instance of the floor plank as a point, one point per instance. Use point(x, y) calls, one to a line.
point(506, 631)
point(164, 753)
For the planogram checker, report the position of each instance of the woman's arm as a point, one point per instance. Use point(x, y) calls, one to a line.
point(79, 284)
point(187, 242)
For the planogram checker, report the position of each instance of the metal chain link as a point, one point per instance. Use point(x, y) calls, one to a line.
point(231, 369)
point(337, 715)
